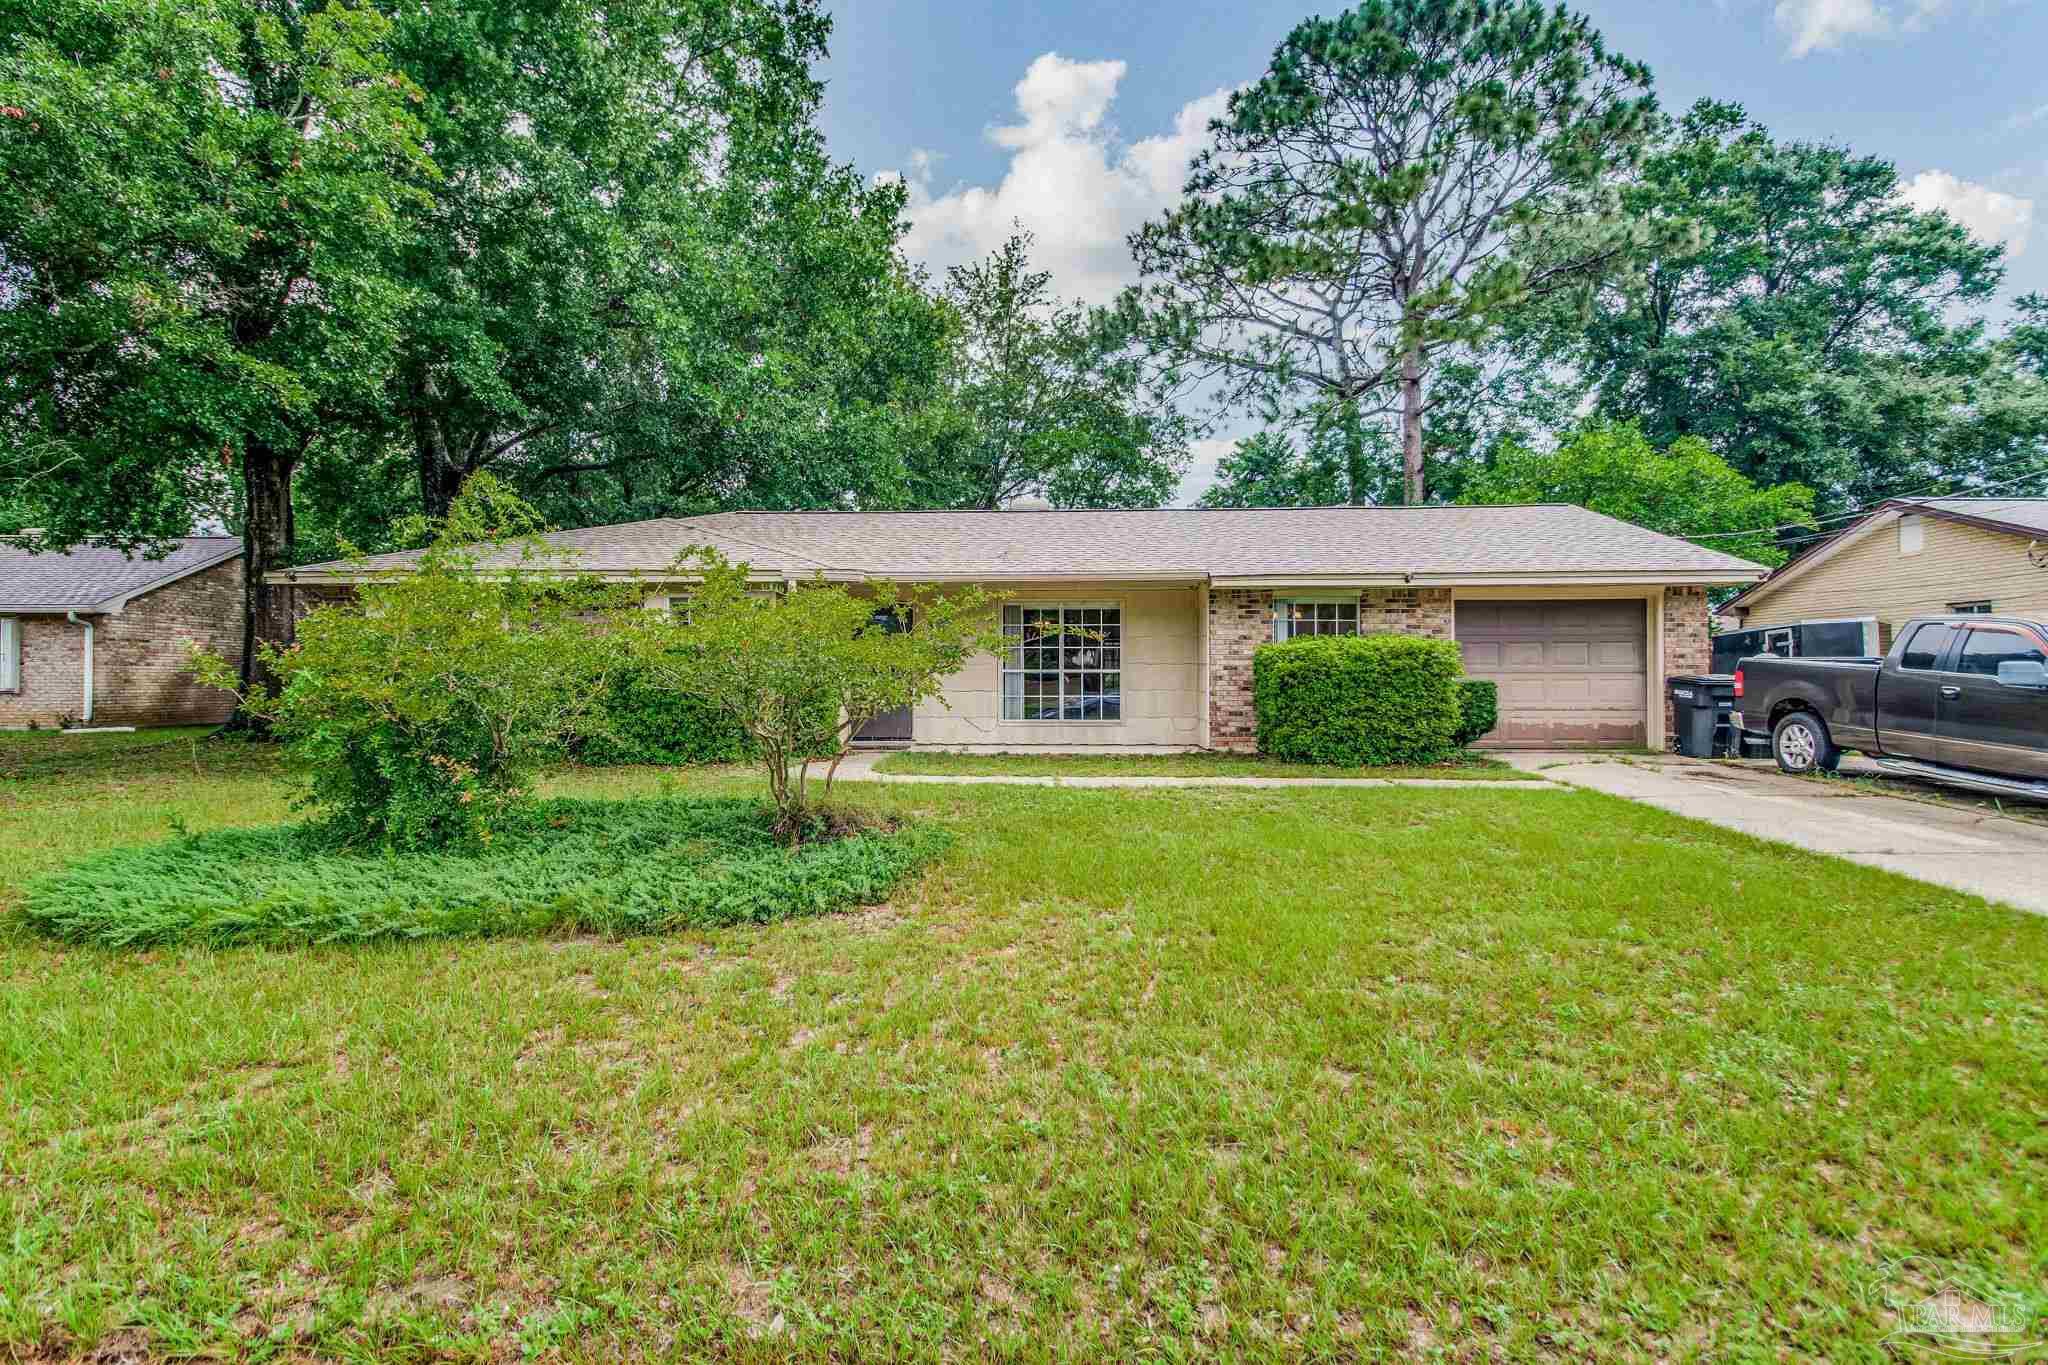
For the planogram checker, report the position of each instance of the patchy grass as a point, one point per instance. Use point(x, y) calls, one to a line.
point(1316, 1073)
point(1466, 765)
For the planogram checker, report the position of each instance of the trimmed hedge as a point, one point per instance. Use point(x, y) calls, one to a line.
point(1358, 700)
point(644, 724)
point(1478, 711)
point(562, 866)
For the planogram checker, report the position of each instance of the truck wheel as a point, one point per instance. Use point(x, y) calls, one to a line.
point(1800, 743)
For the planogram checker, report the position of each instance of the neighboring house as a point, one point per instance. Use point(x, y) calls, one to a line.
point(1576, 615)
point(1914, 557)
point(97, 637)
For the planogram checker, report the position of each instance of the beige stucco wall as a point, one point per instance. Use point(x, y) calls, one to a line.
point(1162, 684)
point(1956, 563)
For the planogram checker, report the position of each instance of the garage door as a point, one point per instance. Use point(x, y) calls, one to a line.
point(1570, 673)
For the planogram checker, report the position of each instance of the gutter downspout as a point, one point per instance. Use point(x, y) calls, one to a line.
point(74, 619)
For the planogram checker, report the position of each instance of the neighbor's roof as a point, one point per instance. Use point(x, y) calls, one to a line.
point(2020, 516)
point(2011, 516)
point(100, 580)
point(1294, 544)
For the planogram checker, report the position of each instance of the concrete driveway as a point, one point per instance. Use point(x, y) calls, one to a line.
point(1970, 850)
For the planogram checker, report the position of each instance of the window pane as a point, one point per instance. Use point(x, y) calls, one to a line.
point(1929, 643)
point(1013, 619)
point(1985, 650)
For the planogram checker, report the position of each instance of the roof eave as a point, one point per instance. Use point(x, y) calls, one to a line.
point(1687, 578)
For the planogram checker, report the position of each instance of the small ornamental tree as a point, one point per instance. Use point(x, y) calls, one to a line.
point(801, 669)
point(420, 711)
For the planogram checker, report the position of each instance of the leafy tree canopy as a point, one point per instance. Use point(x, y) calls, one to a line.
point(1043, 404)
point(1683, 490)
point(1808, 333)
point(1404, 177)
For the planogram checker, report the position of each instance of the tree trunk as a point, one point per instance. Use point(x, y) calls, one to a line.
point(267, 613)
point(1354, 455)
point(440, 480)
point(1411, 426)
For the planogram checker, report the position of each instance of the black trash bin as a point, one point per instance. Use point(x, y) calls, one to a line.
point(1703, 703)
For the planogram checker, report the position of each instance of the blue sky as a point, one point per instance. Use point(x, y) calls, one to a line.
point(1077, 118)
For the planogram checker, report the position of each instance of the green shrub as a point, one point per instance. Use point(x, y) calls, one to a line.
point(1364, 700)
point(419, 712)
point(642, 723)
point(1478, 711)
point(559, 866)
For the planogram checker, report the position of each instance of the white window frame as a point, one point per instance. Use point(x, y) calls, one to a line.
point(1107, 661)
point(10, 654)
point(1284, 613)
point(1977, 608)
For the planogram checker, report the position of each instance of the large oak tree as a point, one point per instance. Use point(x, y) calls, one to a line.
point(1816, 329)
point(203, 204)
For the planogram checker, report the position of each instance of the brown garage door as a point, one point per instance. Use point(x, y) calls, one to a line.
point(1570, 673)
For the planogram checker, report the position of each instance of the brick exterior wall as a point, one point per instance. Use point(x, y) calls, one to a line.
point(1242, 620)
point(1687, 647)
point(139, 670)
point(1408, 611)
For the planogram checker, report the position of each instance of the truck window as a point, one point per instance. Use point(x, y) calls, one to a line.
point(1985, 650)
point(1928, 644)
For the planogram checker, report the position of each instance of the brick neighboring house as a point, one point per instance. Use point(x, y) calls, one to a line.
point(1579, 617)
point(97, 637)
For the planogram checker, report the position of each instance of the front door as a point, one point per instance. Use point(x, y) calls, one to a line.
point(1990, 725)
point(891, 727)
point(1909, 696)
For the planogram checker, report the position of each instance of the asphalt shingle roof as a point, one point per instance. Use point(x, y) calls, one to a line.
point(1533, 540)
point(86, 579)
point(2031, 513)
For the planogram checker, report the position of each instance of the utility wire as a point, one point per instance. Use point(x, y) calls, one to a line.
point(1865, 508)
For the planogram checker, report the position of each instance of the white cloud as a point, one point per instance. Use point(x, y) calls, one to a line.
point(1204, 456)
point(1822, 25)
point(1070, 180)
point(1990, 215)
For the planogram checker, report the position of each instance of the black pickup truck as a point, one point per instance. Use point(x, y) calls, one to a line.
point(1960, 699)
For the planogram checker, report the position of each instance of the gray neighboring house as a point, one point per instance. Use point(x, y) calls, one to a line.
point(1577, 616)
point(98, 637)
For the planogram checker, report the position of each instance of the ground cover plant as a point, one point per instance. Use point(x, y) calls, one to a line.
point(1316, 1073)
point(1477, 767)
point(561, 866)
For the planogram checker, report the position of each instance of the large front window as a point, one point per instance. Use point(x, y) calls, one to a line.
point(1063, 662)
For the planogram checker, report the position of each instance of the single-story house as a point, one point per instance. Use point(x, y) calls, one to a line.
point(1577, 616)
point(1913, 557)
point(93, 637)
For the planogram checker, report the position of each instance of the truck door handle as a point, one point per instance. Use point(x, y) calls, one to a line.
point(1951, 692)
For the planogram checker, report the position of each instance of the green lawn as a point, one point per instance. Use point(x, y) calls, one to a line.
point(1469, 765)
point(31, 751)
point(1319, 1073)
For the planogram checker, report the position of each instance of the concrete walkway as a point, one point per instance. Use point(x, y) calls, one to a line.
point(1970, 850)
point(860, 767)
